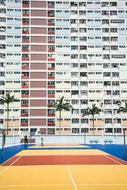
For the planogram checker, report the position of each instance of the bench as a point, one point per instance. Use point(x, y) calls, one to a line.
point(108, 141)
point(29, 141)
point(94, 141)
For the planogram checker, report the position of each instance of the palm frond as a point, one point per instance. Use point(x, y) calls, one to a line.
point(122, 109)
point(8, 99)
point(92, 111)
point(61, 100)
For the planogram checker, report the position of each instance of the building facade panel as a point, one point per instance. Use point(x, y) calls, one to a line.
point(38, 103)
point(75, 49)
point(38, 66)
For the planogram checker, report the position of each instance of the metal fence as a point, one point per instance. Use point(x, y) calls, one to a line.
point(67, 139)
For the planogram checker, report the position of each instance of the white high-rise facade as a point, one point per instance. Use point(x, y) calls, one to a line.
point(76, 49)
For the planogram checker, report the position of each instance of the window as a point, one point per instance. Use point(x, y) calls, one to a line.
point(75, 130)
point(108, 120)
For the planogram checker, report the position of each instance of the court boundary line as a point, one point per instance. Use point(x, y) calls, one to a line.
point(107, 154)
point(9, 159)
point(115, 160)
point(7, 167)
point(35, 185)
point(111, 155)
point(106, 184)
point(72, 179)
point(62, 184)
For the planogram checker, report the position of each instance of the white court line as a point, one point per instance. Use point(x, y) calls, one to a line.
point(112, 155)
point(97, 184)
point(7, 167)
point(34, 185)
point(107, 154)
point(82, 184)
point(115, 160)
point(72, 179)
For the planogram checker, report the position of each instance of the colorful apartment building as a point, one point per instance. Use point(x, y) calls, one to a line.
point(71, 48)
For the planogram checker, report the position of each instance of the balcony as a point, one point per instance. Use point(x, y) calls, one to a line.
point(51, 4)
point(24, 124)
point(51, 77)
point(25, 57)
point(25, 39)
point(51, 13)
point(25, 4)
point(24, 103)
point(51, 39)
point(51, 48)
point(51, 59)
point(51, 95)
point(25, 76)
point(24, 94)
point(51, 22)
point(51, 115)
point(25, 48)
point(24, 114)
point(51, 86)
point(51, 124)
point(25, 86)
point(25, 66)
point(25, 13)
point(25, 21)
point(51, 31)
point(51, 68)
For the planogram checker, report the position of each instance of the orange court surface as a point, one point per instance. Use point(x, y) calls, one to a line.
point(39, 168)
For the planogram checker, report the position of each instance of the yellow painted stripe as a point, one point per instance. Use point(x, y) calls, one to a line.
point(62, 152)
point(21, 175)
point(88, 177)
point(104, 174)
point(103, 186)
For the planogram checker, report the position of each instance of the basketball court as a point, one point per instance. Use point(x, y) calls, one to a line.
point(63, 167)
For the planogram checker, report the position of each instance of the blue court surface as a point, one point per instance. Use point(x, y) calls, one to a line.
point(115, 150)
point(11, 151)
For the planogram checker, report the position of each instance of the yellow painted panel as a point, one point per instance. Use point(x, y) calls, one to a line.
point(61, 152)
point(35, 175)
point(96, 174)
point(40, 187)
point(2, 168)
point(102, 187)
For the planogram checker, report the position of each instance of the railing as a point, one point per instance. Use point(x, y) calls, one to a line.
point(67, 139)
point(79, 139)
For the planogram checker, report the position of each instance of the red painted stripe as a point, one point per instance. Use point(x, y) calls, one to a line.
point(10, 161)
point(64, 160)
point(117, 159)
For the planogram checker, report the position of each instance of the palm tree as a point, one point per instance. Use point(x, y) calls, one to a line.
point(59, 105)
point(124, 110)
point(7, 100)
point(92, 111)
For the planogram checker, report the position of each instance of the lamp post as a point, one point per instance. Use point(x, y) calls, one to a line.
point(84, 132)
point(115, 131)
point(13, 129)
point(101, 104)
point(3, 141)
